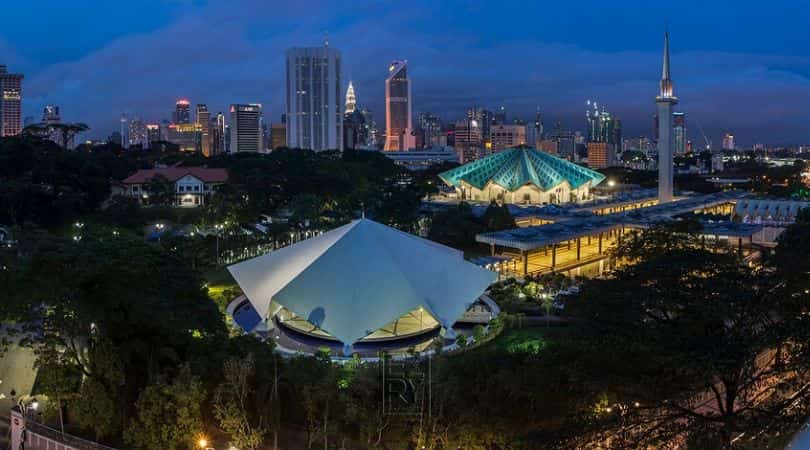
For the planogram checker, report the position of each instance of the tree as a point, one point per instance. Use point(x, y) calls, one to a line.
point(497, 217)
point(232, 404)
point(169, 415)
point(120, 311)
point(686, 342)
point(160, 190)
point(456, 226)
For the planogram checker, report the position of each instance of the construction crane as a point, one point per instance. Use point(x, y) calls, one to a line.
point(708, 142)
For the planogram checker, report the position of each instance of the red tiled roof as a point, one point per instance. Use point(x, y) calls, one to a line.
point(175, 173)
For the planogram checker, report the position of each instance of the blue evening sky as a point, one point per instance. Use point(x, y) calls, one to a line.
point(739, 66)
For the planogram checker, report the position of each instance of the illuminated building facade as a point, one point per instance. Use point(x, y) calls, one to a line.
point(278, 135)
point(10, 103)
point(314, 106)
point(506, 136)
point(203, 119)
point(522, 175)
point(601, 155)
point(469, 140)
point(351, 99)
point(185, 135)
point(218, 135)
point(728, 142)
point(398, 128)
point(182, 111)
point(246, 128)
point(679, 132)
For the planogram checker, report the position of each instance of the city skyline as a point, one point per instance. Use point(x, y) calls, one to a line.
point(726, 75)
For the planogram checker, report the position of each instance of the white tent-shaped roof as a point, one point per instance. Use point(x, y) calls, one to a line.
point(358, 277)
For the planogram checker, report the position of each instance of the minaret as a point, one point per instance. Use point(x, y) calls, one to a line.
point(665, 101)
point(351, 101)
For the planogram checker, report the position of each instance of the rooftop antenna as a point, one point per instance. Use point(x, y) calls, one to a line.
point(362, 210)
point(326, 39)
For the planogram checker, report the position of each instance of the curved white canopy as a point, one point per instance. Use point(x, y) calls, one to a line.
point(358, 277)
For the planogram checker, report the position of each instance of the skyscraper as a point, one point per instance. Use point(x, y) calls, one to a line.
point(351, 100)
point(203, 119)
point(534, 134)
point(138, 134)
point(468, 140)
point(182, 111)
point(246, 128)
point(398, 128)
point(431, 127)
point(314, 107)
point(152, 134)
point(665, 100)
point(10, 103)
point(728, 141)
point(218, 134)
point(679, 132)
point(507, 136)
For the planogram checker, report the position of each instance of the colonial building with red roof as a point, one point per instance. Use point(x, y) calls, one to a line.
point(192, 185)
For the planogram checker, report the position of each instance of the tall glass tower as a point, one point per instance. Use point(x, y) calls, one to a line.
point(398, 128)
point(314, 100)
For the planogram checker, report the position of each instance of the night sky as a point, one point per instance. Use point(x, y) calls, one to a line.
point(740, 66)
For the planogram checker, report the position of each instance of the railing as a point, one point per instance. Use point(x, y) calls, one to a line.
point(35, 431)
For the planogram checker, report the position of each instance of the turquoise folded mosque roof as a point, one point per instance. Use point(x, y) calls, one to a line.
point(515, 167)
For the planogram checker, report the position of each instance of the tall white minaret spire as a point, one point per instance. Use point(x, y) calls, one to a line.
point(665, 101)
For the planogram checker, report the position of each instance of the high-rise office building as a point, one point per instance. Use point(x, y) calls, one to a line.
point(182, 111)
point(728, 142)
point(486, 121)
point(351, 99)
point(185, 135)
point(499, 117)
point(665, 100)
point(601, 155)
point(218, 145)
point(534, 133)
point(602, 125)
point(50, 115)
point(507, 136)
point(278, 135)
point(370, 125)
point(10, 103)
point(246, 128)
point(468, 140)
point(398, 127)
point(679, 132)
point(152, 134)
point(564, 142)
point(431, 127)
point(314, 106)
point(203, 119)
point(138, 134)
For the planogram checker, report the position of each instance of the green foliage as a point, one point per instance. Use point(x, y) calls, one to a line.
point(456, 226)
point(169, 415)
point(160, 191)
point(497, 217)
point(233, 407)
point(679, 322)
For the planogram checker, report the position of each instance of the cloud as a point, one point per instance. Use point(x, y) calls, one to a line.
point(218, 54)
